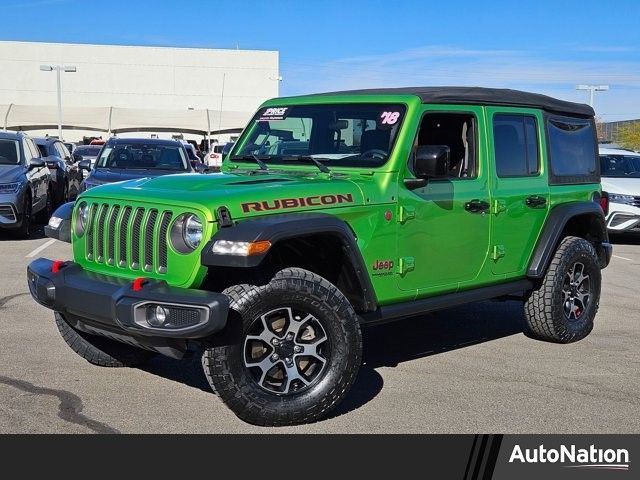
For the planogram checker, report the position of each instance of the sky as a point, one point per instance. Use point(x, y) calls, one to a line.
point(545, 46)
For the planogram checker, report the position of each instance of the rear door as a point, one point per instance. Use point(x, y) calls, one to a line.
point(520, 196)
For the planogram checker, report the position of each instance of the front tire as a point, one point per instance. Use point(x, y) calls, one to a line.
point(24, 231)
point(99, 350)
point(296, 354)
point(564, 306)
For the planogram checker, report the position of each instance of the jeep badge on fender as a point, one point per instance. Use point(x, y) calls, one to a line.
point(333, 211)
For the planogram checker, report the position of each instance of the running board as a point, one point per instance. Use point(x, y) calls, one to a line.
point(390, 313)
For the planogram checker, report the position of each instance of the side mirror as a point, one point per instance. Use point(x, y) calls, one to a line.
point(77, 157)
point(429, 161)
point(85, 165)
point(36, 163)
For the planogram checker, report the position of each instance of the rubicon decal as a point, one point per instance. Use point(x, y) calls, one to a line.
point(574, 457)
point(300, 202)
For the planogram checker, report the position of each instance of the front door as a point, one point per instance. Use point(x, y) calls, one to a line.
point(521, 189)
point(443, 236)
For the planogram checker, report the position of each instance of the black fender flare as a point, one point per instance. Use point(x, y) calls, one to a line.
point(63, 231)
point(553, 228)
point(276, 228)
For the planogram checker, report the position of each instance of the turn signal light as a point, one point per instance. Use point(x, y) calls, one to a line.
point(256, 248)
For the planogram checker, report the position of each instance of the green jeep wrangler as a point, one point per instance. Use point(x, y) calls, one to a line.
point(333, 212)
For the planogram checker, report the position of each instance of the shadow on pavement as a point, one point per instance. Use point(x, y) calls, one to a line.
point(625, 238)
point(389, 345)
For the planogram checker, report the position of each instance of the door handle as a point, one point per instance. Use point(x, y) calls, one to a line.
point(476, 206)
point(535, 201)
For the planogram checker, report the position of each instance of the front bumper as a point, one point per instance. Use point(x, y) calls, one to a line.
point(111, 304)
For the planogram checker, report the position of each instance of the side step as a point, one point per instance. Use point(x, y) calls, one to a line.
point(390, 313)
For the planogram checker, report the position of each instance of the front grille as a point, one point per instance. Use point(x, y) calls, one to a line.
point(8, 214)
point(636, 201)
point(123, 236)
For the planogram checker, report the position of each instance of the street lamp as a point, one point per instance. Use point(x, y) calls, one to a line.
point(58, 69)
point(592, 89)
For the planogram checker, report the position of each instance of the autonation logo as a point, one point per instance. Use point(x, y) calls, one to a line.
point(574, 457)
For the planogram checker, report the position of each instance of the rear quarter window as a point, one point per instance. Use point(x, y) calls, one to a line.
point(573, 155)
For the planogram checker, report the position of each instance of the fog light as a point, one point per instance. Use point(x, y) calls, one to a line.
point(157, 315)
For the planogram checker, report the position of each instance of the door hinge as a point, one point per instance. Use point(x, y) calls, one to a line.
point(498, 206)
point(497, 252)
point(406, 213)
point(405, 265)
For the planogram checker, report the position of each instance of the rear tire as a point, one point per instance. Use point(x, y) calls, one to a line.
point(563, 308)
point(295, 354)
point(99, 350)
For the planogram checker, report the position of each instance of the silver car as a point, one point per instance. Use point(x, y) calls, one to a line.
point(25, 187)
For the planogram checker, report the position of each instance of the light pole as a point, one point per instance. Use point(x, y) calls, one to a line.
point(592, 89)
point(58, 69)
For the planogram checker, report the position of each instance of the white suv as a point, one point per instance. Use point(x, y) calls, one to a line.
point(620, 171)
point(214, 157)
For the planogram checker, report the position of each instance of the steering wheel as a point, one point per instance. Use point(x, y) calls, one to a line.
point(375, 153)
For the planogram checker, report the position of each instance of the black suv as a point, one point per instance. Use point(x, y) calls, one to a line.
point(63, 167)
point(130, 158)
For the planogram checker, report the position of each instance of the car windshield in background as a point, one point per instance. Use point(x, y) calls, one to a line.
point(350, 135)
point(143, 157)
point(88, 151)
point(9, 152)
point(620, 166)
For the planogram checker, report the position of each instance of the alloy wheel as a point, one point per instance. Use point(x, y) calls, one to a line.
point(576, 291)
point(286, 350)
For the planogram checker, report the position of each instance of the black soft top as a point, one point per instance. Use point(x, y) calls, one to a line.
point(480, 96)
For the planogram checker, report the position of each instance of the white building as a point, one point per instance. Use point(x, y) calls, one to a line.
point(191, 88)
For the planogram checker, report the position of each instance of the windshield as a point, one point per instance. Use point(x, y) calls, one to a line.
point(88, 151)
point(620, 166)
point(337, 135)
point(143, 156)
point(9, 152)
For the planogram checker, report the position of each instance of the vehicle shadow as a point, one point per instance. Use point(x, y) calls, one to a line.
point(37, 233)
point(625, 238)
point(390, 345)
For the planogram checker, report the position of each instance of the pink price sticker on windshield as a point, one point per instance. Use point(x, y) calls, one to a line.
point(389, 118)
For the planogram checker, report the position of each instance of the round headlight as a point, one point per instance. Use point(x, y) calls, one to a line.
point(82, 218)
point(192, 231)
point(186, 233)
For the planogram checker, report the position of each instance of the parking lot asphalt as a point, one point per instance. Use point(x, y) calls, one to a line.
point(464, 370)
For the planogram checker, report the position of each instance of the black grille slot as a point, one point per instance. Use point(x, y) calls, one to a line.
point(135, 238)
point(91, 222)
point(100, 233)
point(148, 240)
point(124, 224)
point(111, 239)
point(162, 242)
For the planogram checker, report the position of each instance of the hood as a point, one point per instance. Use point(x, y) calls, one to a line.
point(110, 175)
point(244, 195)
point(623, 186)
point(11, 173)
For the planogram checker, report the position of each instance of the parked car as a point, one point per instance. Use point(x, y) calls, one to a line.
point(63, 167)
point(129, 158)
point(620, 170)
point(404, 201)
point(215, 155)
point(87, 152)
point(25, 187)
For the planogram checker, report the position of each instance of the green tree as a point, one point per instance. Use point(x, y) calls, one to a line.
point(629, 136)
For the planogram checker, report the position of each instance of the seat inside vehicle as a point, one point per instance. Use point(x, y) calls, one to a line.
point(457, 131)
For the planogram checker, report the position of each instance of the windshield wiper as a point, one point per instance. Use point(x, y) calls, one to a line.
point(308, 158)
point(261, 164)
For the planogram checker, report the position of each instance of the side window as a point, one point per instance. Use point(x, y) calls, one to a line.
point(64, 153)
point(572, 150)
point(515, 141)
point(458, 132)
point(33, 150)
